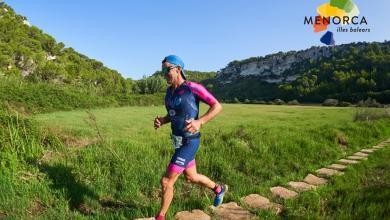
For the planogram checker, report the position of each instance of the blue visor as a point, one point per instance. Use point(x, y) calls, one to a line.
point(175, 60)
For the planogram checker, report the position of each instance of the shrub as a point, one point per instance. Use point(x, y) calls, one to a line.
point(258, 102)
point(369, 102)
point(293, 102)
point(344, 104)
point(26, 97)
point(279, 102)
point(330, 102)
point(247, 101)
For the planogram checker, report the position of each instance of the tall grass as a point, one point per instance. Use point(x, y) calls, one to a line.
point(249, 147)
point(371, 114)
point(27, 97)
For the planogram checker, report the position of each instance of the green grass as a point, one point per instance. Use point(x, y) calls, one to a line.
point(249, 147)
point(28, 97)
point(362, 193)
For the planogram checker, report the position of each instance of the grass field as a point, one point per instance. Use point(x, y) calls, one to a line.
point(249, 147)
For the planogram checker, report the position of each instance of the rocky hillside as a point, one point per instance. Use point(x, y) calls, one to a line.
point(272, 68)
point(350, 72)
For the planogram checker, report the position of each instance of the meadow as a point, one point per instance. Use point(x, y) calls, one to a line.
point(107, 163)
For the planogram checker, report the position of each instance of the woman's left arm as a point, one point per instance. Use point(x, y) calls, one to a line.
point(195, 125)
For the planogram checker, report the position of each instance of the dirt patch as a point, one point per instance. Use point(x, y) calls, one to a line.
point(85, 209)
point(341, 140)
point(3, 215)
point(108, 202)
point(28, 176)
point(17, 107)
point(71, 140)
point(49, 155)
point(36, 208)
point(74, 142)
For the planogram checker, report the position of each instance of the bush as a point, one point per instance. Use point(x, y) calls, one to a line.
point(247, 101)
point(258, 102)
point(369, 102)
point(344, 104)
point(27, 97)
point(293, 102)
point(235, 100)
point(330, 102)
point(279, 102)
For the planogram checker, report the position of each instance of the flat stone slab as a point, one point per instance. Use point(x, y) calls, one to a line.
point(377, 147)
point(300, 186)
point(346, 162)
point(279, 191)
point(357, 158)
point(196, 214)
point(315, 180)
point(231, 211)
point(367, 151)
point(360, 154)
point(255, 201)
point(336, 166)
point(328, 172)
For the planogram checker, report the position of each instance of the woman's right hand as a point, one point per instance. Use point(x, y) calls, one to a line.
point(158, 122)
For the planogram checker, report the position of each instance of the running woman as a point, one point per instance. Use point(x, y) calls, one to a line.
point(182, 104)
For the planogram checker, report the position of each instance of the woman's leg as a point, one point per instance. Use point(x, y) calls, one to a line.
point(167, 183)
point(194, 177)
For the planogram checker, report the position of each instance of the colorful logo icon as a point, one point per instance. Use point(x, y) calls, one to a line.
point(337, 12)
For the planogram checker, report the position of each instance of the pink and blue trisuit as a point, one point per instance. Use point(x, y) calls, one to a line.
point(182, 104)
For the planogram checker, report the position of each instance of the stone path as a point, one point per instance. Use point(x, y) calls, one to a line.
point(336, 166)
point(257, 202)
point(328, 172)
point(232, 211)
point(300, 186)
point(253, 202)
point(357, 158)
point(281, 192)
point(360, 154)
point(348, 162)
point(315, 180)
point(195, 214)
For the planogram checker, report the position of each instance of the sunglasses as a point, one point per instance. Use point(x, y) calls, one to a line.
point(165, 70)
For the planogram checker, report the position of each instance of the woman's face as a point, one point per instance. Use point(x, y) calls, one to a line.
point(172, 75)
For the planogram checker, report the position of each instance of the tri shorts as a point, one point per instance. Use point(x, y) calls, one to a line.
point(184, 157)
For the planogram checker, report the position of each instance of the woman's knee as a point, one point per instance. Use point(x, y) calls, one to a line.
point(167, 182)
point(191, 178)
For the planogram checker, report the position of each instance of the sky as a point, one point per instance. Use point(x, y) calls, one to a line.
point(133, 36)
